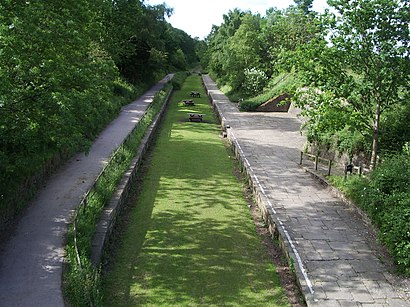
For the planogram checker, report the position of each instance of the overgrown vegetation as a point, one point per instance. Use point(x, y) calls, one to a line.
point(81, 279)
point(66, 68)
point(385, 197)
point(190, 239)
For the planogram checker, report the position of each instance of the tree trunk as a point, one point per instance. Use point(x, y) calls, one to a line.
point(375, 147)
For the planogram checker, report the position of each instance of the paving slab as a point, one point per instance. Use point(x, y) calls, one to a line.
point(31, 260)
point(336, 259)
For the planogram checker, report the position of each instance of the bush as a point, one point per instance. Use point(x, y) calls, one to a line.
point(255, 80)
point(394, 128)
point(125, 90)
point(385, 197)
point(179, 79)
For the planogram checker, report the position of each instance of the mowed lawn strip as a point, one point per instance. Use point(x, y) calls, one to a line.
point(190, 239)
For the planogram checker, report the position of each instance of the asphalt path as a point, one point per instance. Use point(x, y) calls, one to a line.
point(31, 259)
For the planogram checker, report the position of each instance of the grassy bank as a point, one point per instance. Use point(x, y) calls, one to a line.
point(190, 239)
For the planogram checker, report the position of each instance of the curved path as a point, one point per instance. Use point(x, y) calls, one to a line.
point(31, 260)
point(335, 258)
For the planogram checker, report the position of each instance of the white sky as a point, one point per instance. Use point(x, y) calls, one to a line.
point(196, 17)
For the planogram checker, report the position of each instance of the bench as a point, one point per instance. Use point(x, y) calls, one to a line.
point(189, 103)
point(195, 94)
point(194, 117)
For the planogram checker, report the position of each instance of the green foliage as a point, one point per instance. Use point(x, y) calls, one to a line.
point(65, 69)
point(125, 90)
point(331, 121)
point(255, 81)
point(385, 197)
point(56, 89)
point(367, 61)
point(304, 5)
point(247, 42)
point(234, 46)
point(406, 148)
point(82, 280)
point(394, 130)
point(179, 79)
point(282, 83)
point(142, 44)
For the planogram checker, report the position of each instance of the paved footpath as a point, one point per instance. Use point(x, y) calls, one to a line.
point(31, 260)
point(336, 260)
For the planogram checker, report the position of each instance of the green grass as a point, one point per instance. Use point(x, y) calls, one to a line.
point(190, 239)
point(283, 83)
point(82, 281)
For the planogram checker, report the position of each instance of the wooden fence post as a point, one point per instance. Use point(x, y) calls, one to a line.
point(330, 167)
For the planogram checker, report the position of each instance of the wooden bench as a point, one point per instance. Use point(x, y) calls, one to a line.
point(189, 103)
point(195, 94)
point(195, 117)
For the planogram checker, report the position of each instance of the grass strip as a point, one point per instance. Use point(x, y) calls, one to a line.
point(82, 280)
point(190, 239)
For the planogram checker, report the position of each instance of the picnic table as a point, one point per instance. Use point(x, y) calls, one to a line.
point(189, 102)
point(195, 117)
point(195, 94)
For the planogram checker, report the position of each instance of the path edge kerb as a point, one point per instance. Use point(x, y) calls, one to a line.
point(274, 225)
point(110, 212)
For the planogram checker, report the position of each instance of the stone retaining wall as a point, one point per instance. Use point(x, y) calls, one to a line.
point(221, 104)
point(120, 196)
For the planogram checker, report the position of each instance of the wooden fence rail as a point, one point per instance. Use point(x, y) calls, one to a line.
point(317, 159)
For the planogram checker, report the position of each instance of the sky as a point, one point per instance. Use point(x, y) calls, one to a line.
point(196, 17)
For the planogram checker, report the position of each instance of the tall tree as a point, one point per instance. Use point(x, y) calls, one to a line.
point(304, 5)
point(218, 43)
point(366, 61)
point(244, 50)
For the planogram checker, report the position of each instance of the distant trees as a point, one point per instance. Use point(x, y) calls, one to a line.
point(61, 63)
point(142, 44)
point(246, 41)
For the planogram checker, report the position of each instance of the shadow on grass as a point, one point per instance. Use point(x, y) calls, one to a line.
point(191, 240)
point(191, 260)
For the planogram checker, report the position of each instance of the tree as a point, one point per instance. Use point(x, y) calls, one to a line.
point(304, 5)
point(363, 58)
point(218, 40)
point(244, 50)
point(284, 31)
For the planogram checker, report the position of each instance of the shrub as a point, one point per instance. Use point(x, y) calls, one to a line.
point(385, 197)
point(255, 80)
point(179, 79)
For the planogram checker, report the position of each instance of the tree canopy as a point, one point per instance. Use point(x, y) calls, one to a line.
point(64, 68)
point(355, 61)
point(362, 59)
